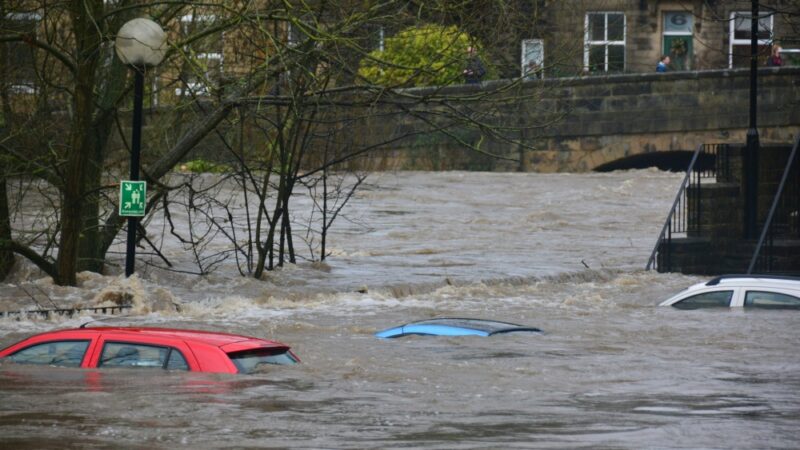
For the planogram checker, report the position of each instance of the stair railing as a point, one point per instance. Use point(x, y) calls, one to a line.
point(678, 218)
point(768, 229)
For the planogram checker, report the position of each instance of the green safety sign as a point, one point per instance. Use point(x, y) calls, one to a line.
point(132, 198)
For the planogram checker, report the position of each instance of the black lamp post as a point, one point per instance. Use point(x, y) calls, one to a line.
point(140, 43)
point(751, 153)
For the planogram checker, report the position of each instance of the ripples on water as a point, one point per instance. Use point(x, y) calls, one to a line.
point(611, 371)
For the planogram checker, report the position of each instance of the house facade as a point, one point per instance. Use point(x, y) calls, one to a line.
point(549, 38)
point(630, 36)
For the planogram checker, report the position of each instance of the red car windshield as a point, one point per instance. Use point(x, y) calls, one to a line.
point(249, 361)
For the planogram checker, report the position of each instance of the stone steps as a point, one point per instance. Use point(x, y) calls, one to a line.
point(714, 242)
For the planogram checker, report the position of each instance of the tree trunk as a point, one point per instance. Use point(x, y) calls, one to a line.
point(324, 231)
point(91, 253)
point(6, 256)
point(88, 42)
point(90, 256)
point(287, 224)
point(110, 88)
point(73, 195)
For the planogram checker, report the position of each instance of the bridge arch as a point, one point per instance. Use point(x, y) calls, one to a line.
point(671, 160)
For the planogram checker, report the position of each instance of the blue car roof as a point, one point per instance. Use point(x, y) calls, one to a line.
point(455, 326)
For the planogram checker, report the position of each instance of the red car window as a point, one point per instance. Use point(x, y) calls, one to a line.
point(250, 361)
point(127, 354)
point(54, 353)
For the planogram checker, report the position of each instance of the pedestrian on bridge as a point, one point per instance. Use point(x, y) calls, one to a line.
point(663, 64)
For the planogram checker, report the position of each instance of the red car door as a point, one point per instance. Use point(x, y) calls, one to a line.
point(120, 349)
point(61, 339)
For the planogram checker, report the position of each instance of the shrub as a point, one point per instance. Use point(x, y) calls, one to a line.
point(419, 56)
point(201, 165)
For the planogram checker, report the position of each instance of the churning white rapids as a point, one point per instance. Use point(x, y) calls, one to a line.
point(562, 252)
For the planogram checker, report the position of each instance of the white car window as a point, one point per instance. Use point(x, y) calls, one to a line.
point(706, 300)
point(762, 299)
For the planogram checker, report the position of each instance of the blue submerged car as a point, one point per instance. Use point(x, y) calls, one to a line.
point(455, 326)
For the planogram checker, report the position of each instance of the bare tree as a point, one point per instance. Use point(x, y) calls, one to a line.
point(283, 106)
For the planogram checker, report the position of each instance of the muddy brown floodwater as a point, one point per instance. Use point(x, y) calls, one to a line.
point(610, 371)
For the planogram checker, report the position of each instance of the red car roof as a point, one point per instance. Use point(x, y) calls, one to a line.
point(207, 337)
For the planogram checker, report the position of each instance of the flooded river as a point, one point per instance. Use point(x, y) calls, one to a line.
point(562, 252)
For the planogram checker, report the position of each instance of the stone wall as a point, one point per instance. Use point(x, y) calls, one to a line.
point(603, 119)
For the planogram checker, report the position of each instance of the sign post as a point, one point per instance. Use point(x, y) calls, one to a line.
point(140, 43)
point(132, 201)
point(132, 198)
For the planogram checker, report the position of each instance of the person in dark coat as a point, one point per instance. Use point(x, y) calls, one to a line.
point(475, 69)
point(775, 59)
point(663, 64)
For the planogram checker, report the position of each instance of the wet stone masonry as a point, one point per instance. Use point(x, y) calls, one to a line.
point(578, 124)
point(567, 124)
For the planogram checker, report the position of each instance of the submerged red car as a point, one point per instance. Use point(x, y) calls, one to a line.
point(153, 348)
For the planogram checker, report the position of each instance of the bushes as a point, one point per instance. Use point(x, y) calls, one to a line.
point(419, 56)
point(201, 165)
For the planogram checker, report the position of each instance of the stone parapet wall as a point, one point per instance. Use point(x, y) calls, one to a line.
point(565, 124)
point(611, 117)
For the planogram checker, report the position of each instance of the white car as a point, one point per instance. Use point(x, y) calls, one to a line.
point(735, 291)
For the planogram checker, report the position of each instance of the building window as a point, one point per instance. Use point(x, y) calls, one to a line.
point(20, 64)
point(739, 49)
point(204, 56)
point(791, 56)
point(532, 62)
point(604, 49)
point(677, 39)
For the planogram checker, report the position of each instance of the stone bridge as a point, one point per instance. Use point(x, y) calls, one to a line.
point(630, 120)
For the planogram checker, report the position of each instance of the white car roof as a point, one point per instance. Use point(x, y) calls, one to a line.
point(777, 282)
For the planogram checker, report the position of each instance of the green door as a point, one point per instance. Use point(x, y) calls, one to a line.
point(679, 49)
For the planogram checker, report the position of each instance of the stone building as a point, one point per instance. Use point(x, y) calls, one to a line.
point(547, 38)
point(600, 119)
point(606, 36)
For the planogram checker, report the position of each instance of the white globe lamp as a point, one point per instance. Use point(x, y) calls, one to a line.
point(141, 42)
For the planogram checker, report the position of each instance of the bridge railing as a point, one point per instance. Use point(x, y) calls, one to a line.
point(67, 312)
point(685, 216)
point(783, 219)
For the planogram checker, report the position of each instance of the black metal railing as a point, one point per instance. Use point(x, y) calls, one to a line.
point(783, 219)
point(685, 216)
point(68, 312)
